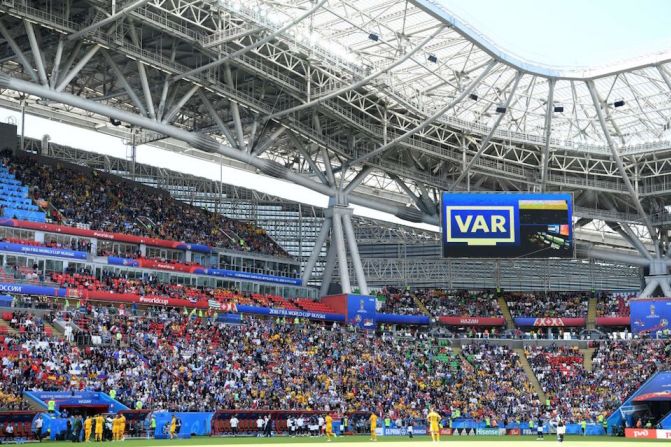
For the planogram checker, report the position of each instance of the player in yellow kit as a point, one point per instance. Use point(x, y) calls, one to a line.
point(99, 427)
point(173, 426)
point(434, 426)
point(122, 427)
point(329, 427)
point(115, 428)
point(373, 426)
point(88, 425)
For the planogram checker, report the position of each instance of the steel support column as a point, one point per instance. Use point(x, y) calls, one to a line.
point(215, 116)
point(183, 100)
point(27, 67)
point(124, 83)
point(666, 287)
point(314, 255)
point(261, 148)
point(57, 63)
point(77, 68)
point(354, 251)
point(235, 110)
point(339, 239)
point(327, 275)
point(37, 54)
point(620, 165)
point(650, 288)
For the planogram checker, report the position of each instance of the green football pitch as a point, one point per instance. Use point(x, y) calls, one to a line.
point(355, 441)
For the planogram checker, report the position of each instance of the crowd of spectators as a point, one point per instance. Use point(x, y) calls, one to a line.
point(618, 369)
point(170, 359)
point(470, 303)
point(109, 203)
point(441, 302)
point(548, 304)
point(396, 300)
point(614, 304)
point(496, 388)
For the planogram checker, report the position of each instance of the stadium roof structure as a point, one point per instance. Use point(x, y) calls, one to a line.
point(378, 103)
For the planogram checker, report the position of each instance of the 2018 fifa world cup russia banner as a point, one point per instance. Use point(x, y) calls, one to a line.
point(549, 322)
point(472, 321)
point(42, 251)
point(650, 316)
point(505, 225)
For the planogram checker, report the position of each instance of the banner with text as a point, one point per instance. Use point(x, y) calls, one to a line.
point(42, 251)
point(650, 316)
point(549, 322)
point(472, 321)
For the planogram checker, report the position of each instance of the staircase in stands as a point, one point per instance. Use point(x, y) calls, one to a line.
point(591, 313)
point(587, 355)
point(524, 362)
point(421, 306)
point(503, 305)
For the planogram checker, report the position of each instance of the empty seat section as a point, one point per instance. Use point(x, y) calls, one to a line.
point(14, 199)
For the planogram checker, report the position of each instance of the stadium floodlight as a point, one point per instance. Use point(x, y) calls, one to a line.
point(559, 109)
point(374, 37)
point(473, 96)
point(432, 58)
point(619, 103)
point(500, 109)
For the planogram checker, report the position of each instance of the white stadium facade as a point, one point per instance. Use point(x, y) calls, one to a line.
point(379, 104)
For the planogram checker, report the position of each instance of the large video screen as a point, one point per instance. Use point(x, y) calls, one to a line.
point(507, 225)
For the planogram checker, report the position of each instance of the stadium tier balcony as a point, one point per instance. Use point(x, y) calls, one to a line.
point(550, 304)
point(81, 283)
point(81, 196)
point(440, 302)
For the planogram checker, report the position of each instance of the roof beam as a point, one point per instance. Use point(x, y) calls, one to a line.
point(37, 54)
point(251, 46)
point(485, 142)
point(620, 165)
point(359, 83)
point(27, 66)
point(428, 120)
point(545, 157)
point(105, 21)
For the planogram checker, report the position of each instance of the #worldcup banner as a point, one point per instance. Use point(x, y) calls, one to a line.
point(650, 316)
point(506, 225)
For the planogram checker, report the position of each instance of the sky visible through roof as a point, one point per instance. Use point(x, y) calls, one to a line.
point(570, 33)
